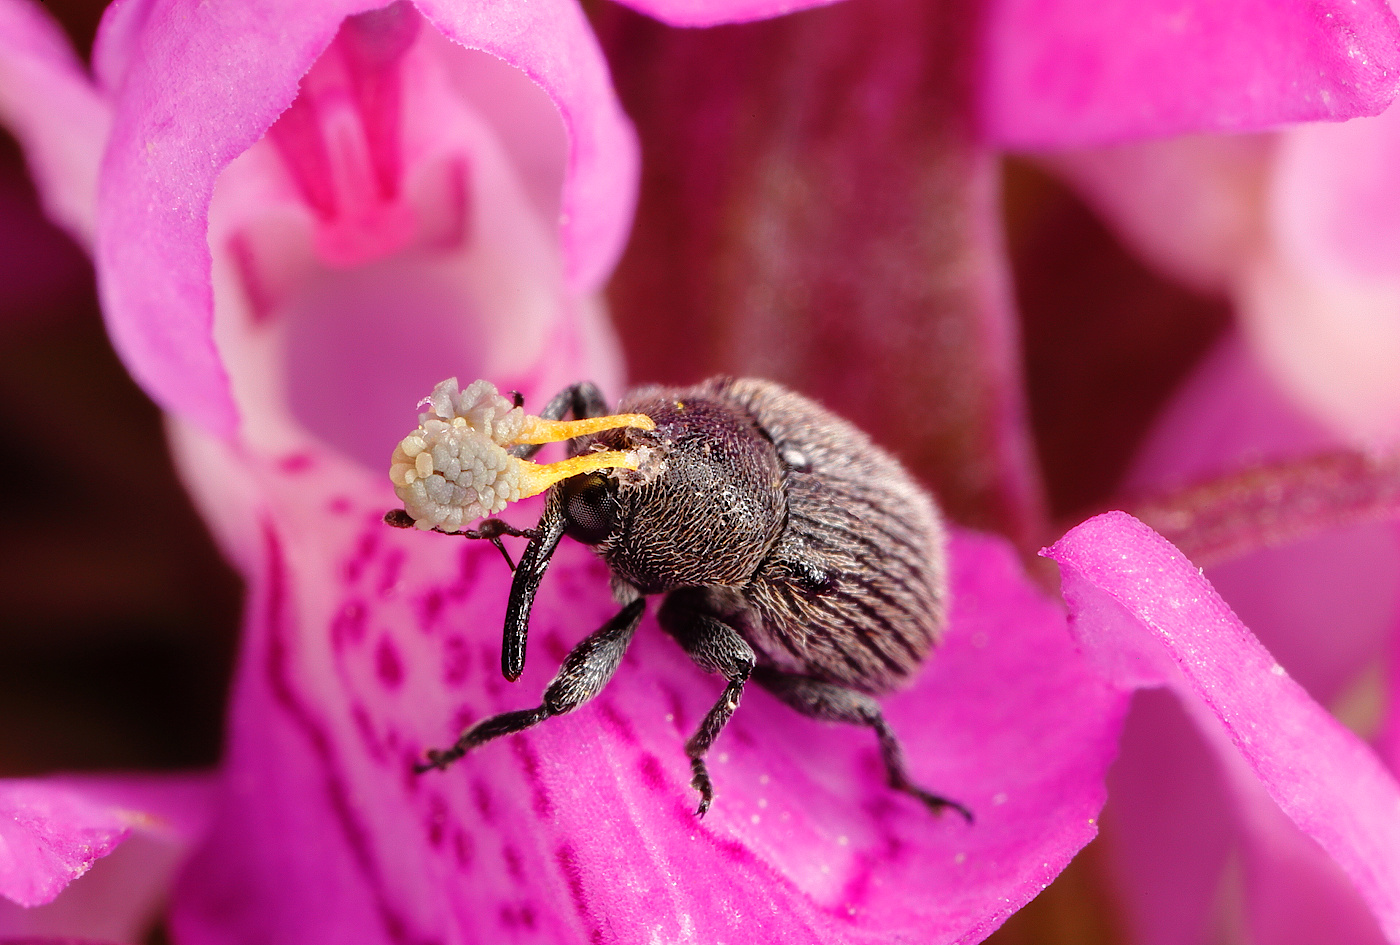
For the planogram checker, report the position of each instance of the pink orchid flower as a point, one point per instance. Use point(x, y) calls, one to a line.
point(1295, 228)
point(301, 222)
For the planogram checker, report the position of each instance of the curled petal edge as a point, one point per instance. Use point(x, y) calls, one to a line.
point(1150, 618)
point(53, 829)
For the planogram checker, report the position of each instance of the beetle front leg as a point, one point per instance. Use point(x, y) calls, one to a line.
point(585, 672)
point(716, 647)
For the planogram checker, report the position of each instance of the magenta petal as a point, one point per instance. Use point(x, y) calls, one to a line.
point(552, 42)
point(1168, 826)
point(52, 831)
point(47, 102)
point(716, 12)
point(192, 100)
point(1063, 73)
point(1143, 607)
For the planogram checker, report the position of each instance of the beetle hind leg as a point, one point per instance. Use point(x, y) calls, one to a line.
point(585, 672)
point(833, 703)
point(716, 647)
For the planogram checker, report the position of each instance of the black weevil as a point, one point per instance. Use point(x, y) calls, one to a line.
point(791, 551)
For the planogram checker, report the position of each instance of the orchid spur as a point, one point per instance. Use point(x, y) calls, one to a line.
point(297, 235)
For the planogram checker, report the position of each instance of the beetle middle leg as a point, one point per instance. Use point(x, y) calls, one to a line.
point(833, 703)
point(585, 672)
point(716, 647)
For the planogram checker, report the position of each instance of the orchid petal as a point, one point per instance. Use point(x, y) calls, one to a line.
point(1229, 412)
point(47, 102)
point(1070, 73)
point(839, 238)
point(1167, 828)
point(1323, 307)
point(1192, 207)
point(184, 113)
point(1322, 606)
point(718, 12)
point(121, 898)
point(52, 831)
point(1151, 618)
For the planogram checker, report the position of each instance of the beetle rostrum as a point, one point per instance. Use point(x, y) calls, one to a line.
point(789, 550)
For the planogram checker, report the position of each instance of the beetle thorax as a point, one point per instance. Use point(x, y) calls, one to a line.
point(706, 507)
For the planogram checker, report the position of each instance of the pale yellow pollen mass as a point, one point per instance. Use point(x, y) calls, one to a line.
point(456, 468)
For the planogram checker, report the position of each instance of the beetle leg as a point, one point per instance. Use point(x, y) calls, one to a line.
point(716, 647)
point(585, 672)
point(526, 583)
point(833, 703)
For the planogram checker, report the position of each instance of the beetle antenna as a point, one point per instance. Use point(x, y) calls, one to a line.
point(491, 529)
point(523, 588)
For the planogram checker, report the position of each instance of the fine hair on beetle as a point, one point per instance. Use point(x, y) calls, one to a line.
point(788, 549)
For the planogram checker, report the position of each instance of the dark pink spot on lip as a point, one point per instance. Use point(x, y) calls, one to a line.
point(468, 566)
point(530, 765)
point(340, 505)
point(463, 718)
point(365, 727)
point(652, 775)
point(456, 661)
point(463, 849)
point(364, 550)
point(297, 462)
point(676, 707)
point(387, 664)
point(481, 796)
point(619, 723)
point(430, 609)
point(568, 865)
point(521, 916)
point(348, 626)
point(389, 576)
point(437, 820)
point(514, 865)
point(554, 647)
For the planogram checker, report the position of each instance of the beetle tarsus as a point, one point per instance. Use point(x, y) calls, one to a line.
point(438, 759)
point(833, 703)
point(701, 782)
point(937, 805)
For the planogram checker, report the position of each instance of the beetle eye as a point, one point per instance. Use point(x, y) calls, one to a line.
point(590, 508)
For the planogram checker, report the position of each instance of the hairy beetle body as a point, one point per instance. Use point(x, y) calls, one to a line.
point(790, 550)
point(816, 544)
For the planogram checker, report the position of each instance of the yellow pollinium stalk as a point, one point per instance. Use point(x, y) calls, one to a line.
point(455, 467)
point(539, 430)
point(535, 478)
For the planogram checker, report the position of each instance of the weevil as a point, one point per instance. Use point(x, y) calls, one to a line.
point(788, 549)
